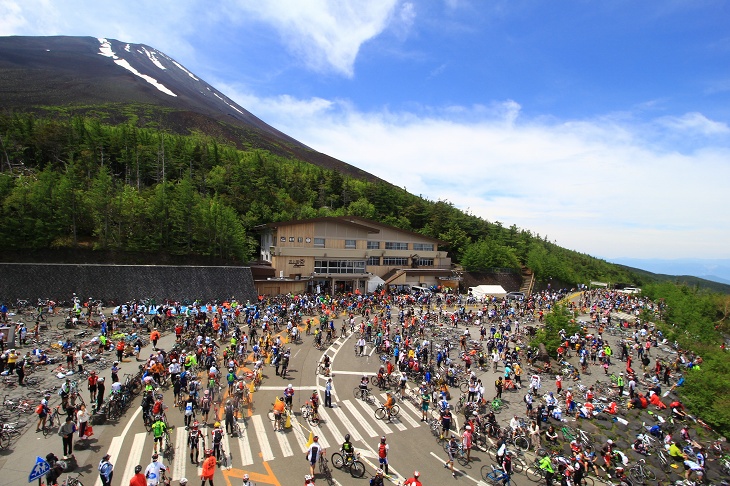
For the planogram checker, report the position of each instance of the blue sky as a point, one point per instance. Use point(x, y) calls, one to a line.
point(603, 125)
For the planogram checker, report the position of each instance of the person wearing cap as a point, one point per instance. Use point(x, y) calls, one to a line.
point(184, 481)
point(377, 480)
point(620, 384)
point(154, 337)
point(607, 452)
point(92, 381)
point(414, 480)
point(106, 470)
point(288, 395)
point(313, 453)
point(451, 450)
point(383, 449)
point(467, 442)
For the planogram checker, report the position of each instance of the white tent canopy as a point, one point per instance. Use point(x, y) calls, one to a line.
point(482, 290)
point(374, 282)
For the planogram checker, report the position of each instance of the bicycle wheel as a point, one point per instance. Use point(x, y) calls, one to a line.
point(380, 413)
point(337, 460)
point(394, 411)
point(49, 428)
point(518, 466)
point(464, 386)
point(522, 443)
point(357, 469)
point(649, 474)
point(324, 466)
point(461, 459)
point(357, 393)
point(586, 481)
point(313, 420)
point(272, 417)
point(535, 474)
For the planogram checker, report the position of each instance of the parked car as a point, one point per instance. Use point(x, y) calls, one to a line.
point(516, 296)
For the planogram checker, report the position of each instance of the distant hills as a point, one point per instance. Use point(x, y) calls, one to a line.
point(715, 270)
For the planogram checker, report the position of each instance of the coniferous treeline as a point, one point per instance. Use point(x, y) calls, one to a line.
point(70, 181)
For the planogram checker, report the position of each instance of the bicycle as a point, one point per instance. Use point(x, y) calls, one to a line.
point(364, 394)
point(324, 467)
point(641, 472)
point(309, 415)
point(168, 450)
point(53, 422)
point(382, 412)
point(498, 405)
point(495, 476)
point(73, 480)
point(350, 463)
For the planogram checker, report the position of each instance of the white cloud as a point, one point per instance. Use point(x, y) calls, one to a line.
point(327, 34)
point(695, 123)
point(602, 186)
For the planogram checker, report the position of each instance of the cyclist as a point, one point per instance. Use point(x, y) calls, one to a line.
point(451, 450)
point(190, 407)
point(230, 416)
point(246, 481)
point(507, 467)
point(377, 480)
point(315, 404)
point(155, 470)
point(414, 480)
point(42, 410)
point(446, 418)
point(205, 403)
point(425, 401)
point(158, 431)
point(288, 396)
point(546, 464)
point(348, 449)
point(209, 464)
point(279, 407)
point(308, 480)
point(217, 434)
point(364, 382)
point(312, 454)
point(389, 402)
point(138, 479)
point(231, 378)
point(194, 437)
point(383, 455)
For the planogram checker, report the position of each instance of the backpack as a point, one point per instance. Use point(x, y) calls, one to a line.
point(189, 408)
point(39, 409)
point(524, 398)
point(205, 405)
point(217, 436)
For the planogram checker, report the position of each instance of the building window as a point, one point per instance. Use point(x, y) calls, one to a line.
point(425, 262)
point(350, 244)
point(373, 261)
point(395, 261)
point(300, 239)
point(319, 242)
point(423, 246)
point(339, 266)
point(394, 245)
point(373, 245)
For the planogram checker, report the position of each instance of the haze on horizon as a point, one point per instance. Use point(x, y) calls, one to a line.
point(603, 126)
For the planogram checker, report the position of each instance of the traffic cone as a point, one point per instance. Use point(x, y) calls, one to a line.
point(311, 439)
point(287, 424)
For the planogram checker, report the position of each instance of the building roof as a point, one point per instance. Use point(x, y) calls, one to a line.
point(367, 224)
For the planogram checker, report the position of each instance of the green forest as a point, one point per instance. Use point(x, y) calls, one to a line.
point(85, 182)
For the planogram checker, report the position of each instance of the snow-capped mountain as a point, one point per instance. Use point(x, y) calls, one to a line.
point(74, 71)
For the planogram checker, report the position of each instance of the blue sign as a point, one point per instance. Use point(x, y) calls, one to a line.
point(40, 468)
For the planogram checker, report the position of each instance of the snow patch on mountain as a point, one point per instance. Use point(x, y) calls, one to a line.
point(106, 50)
point(153, 58)
point(224, 101)
point(189, 73)
point(126, 48)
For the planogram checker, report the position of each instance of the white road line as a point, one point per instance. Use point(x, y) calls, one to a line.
point(461, 473)
point(258, 425)
point(348, 372)
point(227, 448)
point(360, 419)
point(371, 352)
point(178, 463)
point(348, 425)
point(339, 438)
point(411, 409)
point(381, 424)
point(243, 442)
point(322, 439)
point(114, 448)
point(299, 434)
point(284, 444)
point(134, 457)
point(281, 388)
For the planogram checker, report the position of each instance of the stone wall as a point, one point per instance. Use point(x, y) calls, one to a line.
point(122, 283)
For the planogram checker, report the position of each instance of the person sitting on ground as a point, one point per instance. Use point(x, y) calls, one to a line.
point(551, 435)
point(675, 452)
point(639, 446)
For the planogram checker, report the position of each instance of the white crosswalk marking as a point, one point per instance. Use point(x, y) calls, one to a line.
point(258, 425)
point(348, 425)
point(299, 433)
point(114, 448)
point(227, 448)
point(362, 421)
point(381, 425)
point(135, 454)
point(245, 447)
point(339, 438)
point(322, 439)
point(178, 462)
point(406, 409)
point(284, 443)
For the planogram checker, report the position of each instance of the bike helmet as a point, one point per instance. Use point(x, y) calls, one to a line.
point(416, 474)
point(382, 439)
point(347, 437)
point(196, 424)
point(137, 469)
point(245, 477)
point(379, 471)
point(209, 452)
point(217, 424)
point(307, 477)
point(155, 456)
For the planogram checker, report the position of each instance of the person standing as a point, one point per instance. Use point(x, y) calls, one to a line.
point(209, 464)
point(312, 454)
point(67, 435)
point(100, 389)
point(138, 479)
point(328, 393)
point(498, 386)
point(620, 384)
point(93, 379)
point(20, 370)
point(414, 481)
point(155, 471)
point(106, 470)
point(82, 417)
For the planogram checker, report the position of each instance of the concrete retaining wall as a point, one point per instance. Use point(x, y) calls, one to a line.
point(122, 283)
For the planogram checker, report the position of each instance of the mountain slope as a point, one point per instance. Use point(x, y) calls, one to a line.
point(84, 72)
